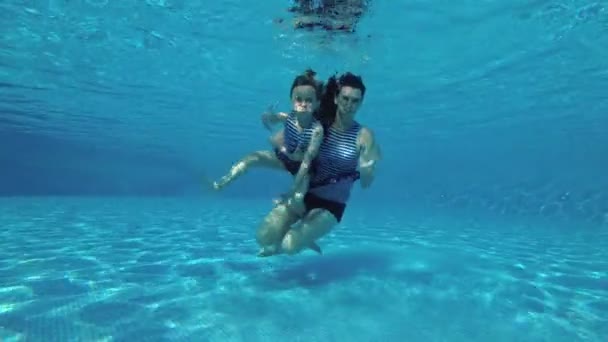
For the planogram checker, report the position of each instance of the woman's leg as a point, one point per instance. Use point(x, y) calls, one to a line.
point(315, 224)
point(273, 229)
point(266, 159)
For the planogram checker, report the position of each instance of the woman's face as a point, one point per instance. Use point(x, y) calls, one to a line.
point(304, 99)
point(348, 101)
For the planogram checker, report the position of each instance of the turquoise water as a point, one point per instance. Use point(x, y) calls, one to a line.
point(164, 269)
point(488, 218)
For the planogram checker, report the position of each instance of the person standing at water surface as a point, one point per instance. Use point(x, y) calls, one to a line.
point(330, 15)
point(348, 153)
point(295, 145)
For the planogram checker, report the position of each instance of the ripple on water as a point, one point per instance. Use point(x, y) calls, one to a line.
point(145, 273)
point(173, 311)
point(601, 307)
point(532, 291)
point(518, 271)
point(73, 263)
point(242, 266)
point(580, 282)
point(57, 287)
point(39, 328)
point(533, 305)
point(108, 313)
point(148, 257)
point(199, 270)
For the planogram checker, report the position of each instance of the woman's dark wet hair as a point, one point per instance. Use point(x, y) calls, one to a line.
point(308, 79)
point(351, 80)
point(328, 108)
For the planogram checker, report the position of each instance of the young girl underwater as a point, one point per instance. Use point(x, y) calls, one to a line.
point(295, 145)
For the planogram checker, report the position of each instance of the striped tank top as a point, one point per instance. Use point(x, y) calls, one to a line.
point(335, 168)
point(295, 139)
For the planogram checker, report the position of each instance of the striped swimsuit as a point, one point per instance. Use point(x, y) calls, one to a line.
point(335, 168)
point(295, 140)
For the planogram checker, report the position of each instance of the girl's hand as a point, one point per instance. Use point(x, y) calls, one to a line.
point(271, 118)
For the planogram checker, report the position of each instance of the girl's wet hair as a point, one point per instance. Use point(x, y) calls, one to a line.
point(307, 78)
point(328, 108)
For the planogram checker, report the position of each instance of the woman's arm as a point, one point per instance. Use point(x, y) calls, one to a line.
point(370, 154)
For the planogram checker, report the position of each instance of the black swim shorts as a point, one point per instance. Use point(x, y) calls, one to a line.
point(313, 202)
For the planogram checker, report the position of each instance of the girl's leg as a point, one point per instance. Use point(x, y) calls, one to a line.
point(266, 159)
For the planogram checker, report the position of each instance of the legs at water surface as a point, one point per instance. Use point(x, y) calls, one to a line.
point(331, 15)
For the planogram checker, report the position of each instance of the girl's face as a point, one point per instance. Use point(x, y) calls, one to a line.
point(304, 99)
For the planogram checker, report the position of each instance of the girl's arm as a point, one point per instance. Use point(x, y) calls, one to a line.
point(300, 185)
point(270, 118)
point(277, 140)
